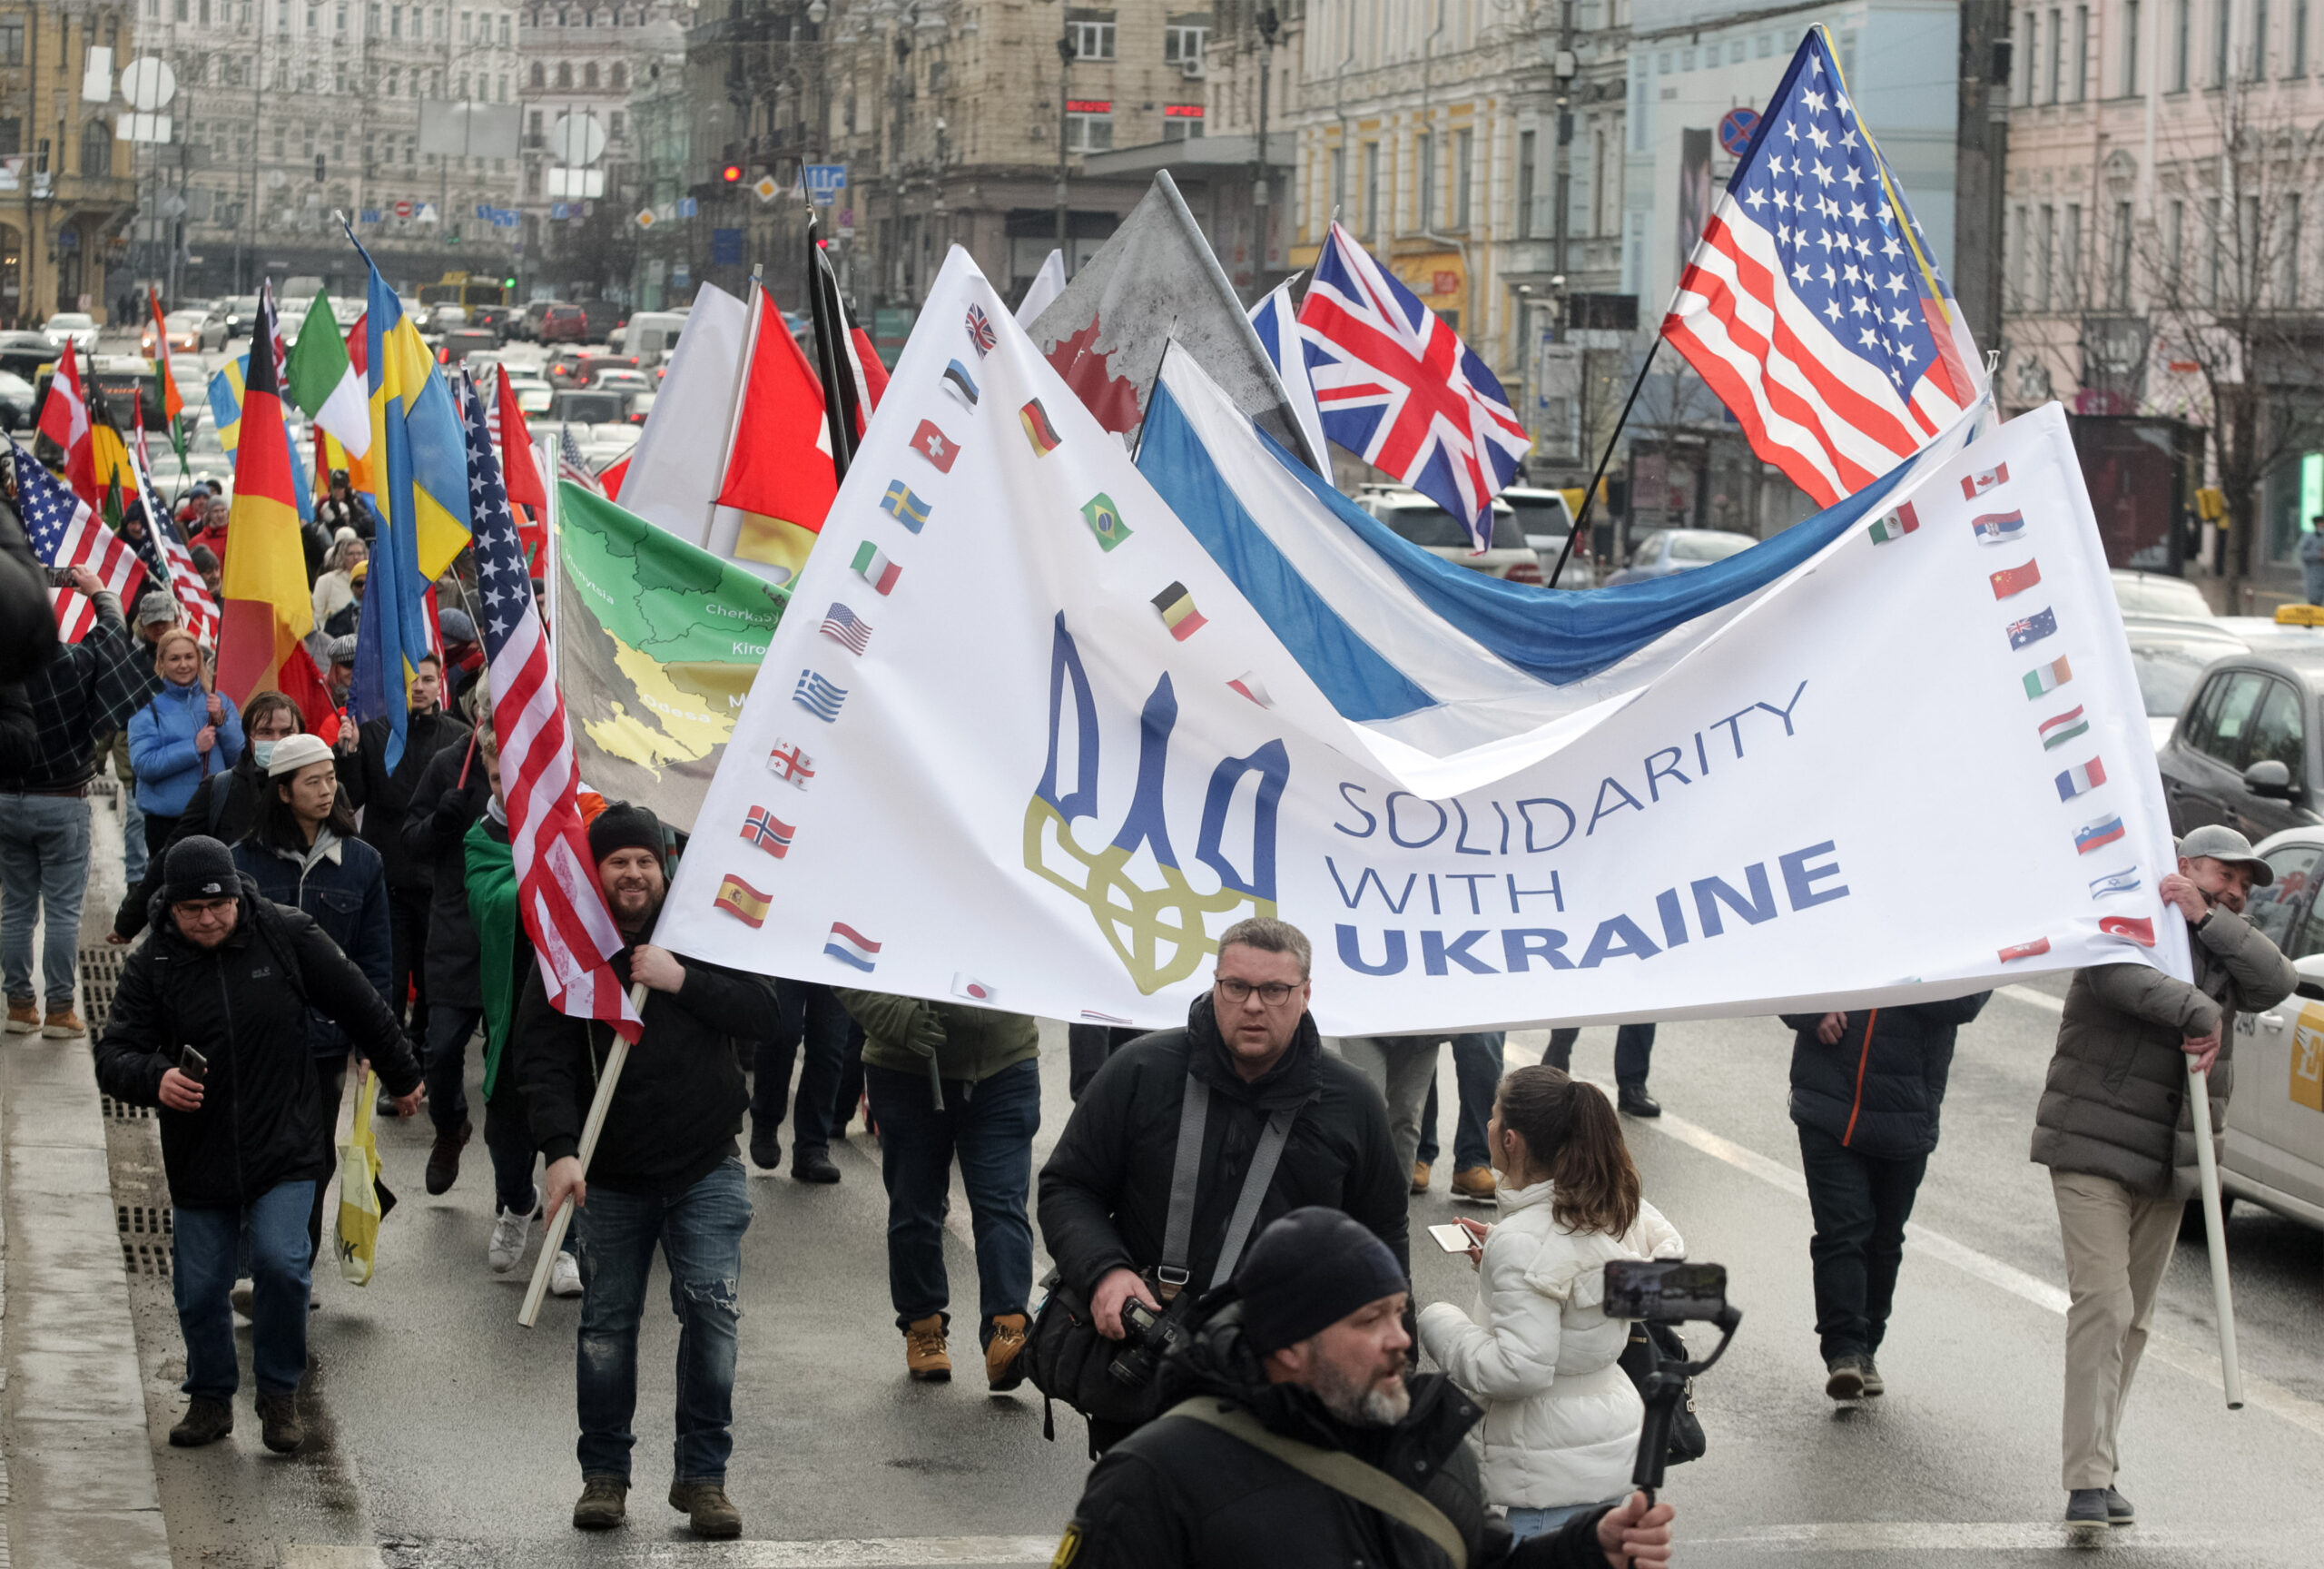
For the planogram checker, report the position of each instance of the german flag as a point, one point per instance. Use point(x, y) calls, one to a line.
point(266, 607)
point(1038, 429)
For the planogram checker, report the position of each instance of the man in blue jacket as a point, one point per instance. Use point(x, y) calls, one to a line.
point(1866, 1087)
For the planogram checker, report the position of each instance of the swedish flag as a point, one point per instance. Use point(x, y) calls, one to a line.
point(906, 508)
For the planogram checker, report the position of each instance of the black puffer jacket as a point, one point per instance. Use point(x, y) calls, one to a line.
point(223, 807)
point(681, 1099)
point(385, 797)
point(1105, 1194)
point(1179, 1494)
point(1879, 1089)
point(243, 1005)
point(444, 807)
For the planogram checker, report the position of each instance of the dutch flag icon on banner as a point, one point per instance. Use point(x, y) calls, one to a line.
point(852, 947)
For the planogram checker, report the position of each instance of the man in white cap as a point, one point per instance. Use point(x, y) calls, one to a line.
point(2116, 1131)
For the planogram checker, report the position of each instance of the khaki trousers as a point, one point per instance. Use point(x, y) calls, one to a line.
point(2118, 1243)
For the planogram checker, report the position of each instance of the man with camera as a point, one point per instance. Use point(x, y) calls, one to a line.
point(1146, 1193)
point(1293, 1434)
point(2116, 1132)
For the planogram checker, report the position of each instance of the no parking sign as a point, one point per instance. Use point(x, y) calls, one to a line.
point(1735, 129)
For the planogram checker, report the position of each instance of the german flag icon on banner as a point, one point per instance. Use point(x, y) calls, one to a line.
point(1038, 429)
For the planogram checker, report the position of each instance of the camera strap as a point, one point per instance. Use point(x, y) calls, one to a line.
point(1171, 1276)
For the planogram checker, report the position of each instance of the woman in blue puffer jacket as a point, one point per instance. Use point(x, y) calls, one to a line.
point(184, 733)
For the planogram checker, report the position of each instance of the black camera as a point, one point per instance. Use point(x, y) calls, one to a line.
point(1147, 1337)
point(1665, 1291)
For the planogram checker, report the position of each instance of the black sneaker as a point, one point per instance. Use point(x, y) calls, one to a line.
point(444, 1158)
point(604, 1503)
point(205, 1422)
point(1874, 1385)
point(2118, 1509)
point(766, 1149)
point(812, 1163)
point(1845, 1380)
point(1635, 1102)
point(2086, 1509)
point(280, 1425)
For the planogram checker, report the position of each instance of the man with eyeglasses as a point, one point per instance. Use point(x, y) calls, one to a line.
point(211, 1023)
point(1105, 1194)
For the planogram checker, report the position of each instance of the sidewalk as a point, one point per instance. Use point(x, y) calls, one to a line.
point(77, 1465)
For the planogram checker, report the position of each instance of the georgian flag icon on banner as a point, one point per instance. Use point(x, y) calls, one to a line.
point(1976, 485)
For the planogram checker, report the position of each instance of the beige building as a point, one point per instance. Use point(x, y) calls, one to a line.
point(66, 192)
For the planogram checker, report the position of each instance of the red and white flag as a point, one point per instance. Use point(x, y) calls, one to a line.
point(64, 420)
point(558, 896)
point(197, 610)
point(65, 533)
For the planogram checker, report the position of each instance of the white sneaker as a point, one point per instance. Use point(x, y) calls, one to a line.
point(510, 1232)
point(565, 1276)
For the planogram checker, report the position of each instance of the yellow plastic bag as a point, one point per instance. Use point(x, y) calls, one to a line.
point(363, 1199)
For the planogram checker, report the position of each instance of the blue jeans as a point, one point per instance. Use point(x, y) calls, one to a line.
point(204, 1254)
point(1525, 1522)
point(2311, 573)
point(990, 1124)
point(44, 872)
point(1633, 1051)
point(701, 1234)
point(1476, 1066)
point(810, 1015)
point(133, 854)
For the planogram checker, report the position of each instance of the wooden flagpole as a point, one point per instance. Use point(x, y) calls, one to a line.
point(594, 1124)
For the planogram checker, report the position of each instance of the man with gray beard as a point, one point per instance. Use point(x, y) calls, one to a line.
point(1292, 1434)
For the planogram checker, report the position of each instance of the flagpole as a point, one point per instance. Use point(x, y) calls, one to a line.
point(550, 511)
point(2215, 1233)
point(1589, 495)
point(594, 1124)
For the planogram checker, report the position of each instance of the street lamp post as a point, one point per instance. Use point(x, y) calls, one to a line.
point(1064, 124)
point(1269, 26)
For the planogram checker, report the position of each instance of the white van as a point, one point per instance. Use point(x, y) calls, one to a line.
point(652, 336)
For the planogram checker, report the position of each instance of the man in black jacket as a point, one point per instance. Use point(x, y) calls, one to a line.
point(446, 802)
point(211, 1024)
point(1105, 1194)
point(385, 797)
point(1302, 1359)
point(1865, 1090)
point(666, 1170)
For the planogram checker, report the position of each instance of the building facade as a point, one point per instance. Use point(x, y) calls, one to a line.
point(66, 197)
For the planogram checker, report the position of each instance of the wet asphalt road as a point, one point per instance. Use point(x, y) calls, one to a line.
point(444, 1431)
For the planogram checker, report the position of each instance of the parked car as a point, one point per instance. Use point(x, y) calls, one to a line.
point(562, 325)
point(2169, 657)
point(2158, 594)
point(602, 316)
point(652, 336)
point(495, 317)
point(15, 401)
point(1420, 521)
point(25, 354)
point(1665, 551)
point(622, 379)
point(576, 407)
point(1546, 520)
point(2273, 1153)
point(76, 326)
point(641, 407)
point(241, 312)
point(192, 330)
point(346, 310)
point(533, 398)
point(2247, 751)
point(581, 370)
point(461, 341)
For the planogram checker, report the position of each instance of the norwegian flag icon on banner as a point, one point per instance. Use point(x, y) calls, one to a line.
point(1398, 388)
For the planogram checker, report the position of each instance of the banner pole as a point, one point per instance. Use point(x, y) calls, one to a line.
point(1589, 495)
point(2215, 1232)
point(594, 1124)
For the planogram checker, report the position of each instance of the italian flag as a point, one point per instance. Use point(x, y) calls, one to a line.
point(323, 382)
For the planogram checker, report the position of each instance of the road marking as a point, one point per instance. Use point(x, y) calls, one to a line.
point(863, 1553)
point(2192, 1360)
point(1938, 1536)
point(2032, 998)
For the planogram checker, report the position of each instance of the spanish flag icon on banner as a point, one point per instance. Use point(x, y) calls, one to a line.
point(742, 902)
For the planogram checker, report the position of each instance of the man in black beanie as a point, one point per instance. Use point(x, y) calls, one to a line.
point(1292, 1436)
point(666, 1172)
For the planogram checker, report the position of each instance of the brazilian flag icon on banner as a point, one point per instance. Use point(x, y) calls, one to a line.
point(1104, 521)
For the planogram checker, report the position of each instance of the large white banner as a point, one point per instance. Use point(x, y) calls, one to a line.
point(1029, 735)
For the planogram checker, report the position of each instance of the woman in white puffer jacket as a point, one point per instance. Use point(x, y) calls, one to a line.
point(1538, 1352)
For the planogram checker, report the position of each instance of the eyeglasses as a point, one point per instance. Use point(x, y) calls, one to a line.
point(1275, 993)
point(206, 909)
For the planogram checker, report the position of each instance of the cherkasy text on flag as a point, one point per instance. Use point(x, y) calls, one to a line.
point(1813, 307)
point(1075, 815)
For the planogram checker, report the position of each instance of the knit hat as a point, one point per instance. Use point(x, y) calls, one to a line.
point(199, 867)
point(341, 650)
point(1306, 1272)
point(293, 752)
point(622, 826)
point(157, 609)
point(456, 627)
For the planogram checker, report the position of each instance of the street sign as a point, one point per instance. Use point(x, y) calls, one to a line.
point(645, 218)
point(370, 215)
point(147, 84)
point(765, 189)
point(726, 247)
point(577, 139)
point(404, 209)
point(843, 220)
point(1735, 129)
point(823, 182)
point(687, 206)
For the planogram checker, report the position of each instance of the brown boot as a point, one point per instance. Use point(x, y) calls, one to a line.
point(604, 1503)
point(709, 1512)
point(279, 1427)
point(924, 1351)
point(24, 1016)
point(1420, 1175)
point(1004, 1361)
point(205, 1422)
point(1475, 1184)
point(62, 1024)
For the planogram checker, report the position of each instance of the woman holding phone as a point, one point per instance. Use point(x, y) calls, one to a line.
point(1561, 1418)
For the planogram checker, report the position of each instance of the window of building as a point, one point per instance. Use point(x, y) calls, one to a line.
point(615, 120)
point(2044, 257)
point(1525, 142)
point(2017, 260)
point(438, 27)
point(533, 127)
point(12, 40)
point(2118, 260)
point(2287, 254)
point(1338, 182)
point(2070, 249)
point(2213, 254)
point(1371, 190)
point(1091, 40)
point(589, 74)
point(1182, 122)
point(2182, 23)
point(2030, 56)
point(2259, 71)
point(1424, 181)
point(395, 20)
point(1183, 45)
point(394, 79)
point(96, 148)
point(467, 19)
point(2296, 56)
point(504, 87)
point(1089, 124)
point(565, 74)
point(2057, 56)
point(12, 136)
point(2174, 239)
point(503, 32)
point(2130, 48)
point(619, 76)
point(2081, 53)
point(2223, 19)
point(282, 142)
point(540, 76)
point(1463, 186)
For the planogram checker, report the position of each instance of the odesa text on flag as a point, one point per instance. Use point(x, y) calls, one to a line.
point(564, 908)
point(64, 533)
point(411, 409)
point(778, 470)
point(173, 400)
point(1278, 325)
point(64, 420)
point(1812, 305)
point(1399, 389)
point(268, 611)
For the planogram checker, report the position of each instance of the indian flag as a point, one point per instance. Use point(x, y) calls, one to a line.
point(2064, 727)
point(1893, 526)
point(323, 382)
point(875, 569)
point(2048, 677)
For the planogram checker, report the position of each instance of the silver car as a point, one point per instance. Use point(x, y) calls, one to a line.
point(2273, 1152)
point(1420, 521)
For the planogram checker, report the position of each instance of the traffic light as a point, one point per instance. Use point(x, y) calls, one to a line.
point(509, 282)
point(318, 168)
point(732, 173)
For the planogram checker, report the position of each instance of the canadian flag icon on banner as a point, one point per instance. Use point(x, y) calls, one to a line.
point(1976, 485)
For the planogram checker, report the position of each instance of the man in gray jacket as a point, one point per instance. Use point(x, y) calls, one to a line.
point(2115, 1130)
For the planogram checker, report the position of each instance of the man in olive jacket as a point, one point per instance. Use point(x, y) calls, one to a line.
point(948, 1078)
point(2115, 1130)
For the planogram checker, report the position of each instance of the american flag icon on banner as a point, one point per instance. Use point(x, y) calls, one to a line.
point(846, 628)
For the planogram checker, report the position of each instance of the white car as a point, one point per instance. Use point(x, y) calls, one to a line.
point(1547, 518)
point(1417, 520)
point(76, 326)
point(2273, 1153)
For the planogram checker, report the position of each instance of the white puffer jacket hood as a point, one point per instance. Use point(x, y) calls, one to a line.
point(1561, 1420)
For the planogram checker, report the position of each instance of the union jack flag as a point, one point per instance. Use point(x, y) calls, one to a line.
point(1812, 306)
point(1398, 388)
point(65, 533)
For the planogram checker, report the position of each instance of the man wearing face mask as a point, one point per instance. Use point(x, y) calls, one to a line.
point(223, 807)
point(2117, 1134)
point(666, 1172)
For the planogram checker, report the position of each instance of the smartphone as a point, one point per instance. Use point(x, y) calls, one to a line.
point(1454, 1238)
point(1667, 1292)
point(192, 1064)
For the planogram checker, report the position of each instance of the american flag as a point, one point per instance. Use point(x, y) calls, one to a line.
point(1398, 388)
point(564, 908)
point(65, 533)
point(571, 465)
point(1812, 306)
point(847, 629)
point(167, 561)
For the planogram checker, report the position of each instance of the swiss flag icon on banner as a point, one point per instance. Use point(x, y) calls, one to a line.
point(935, 445)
